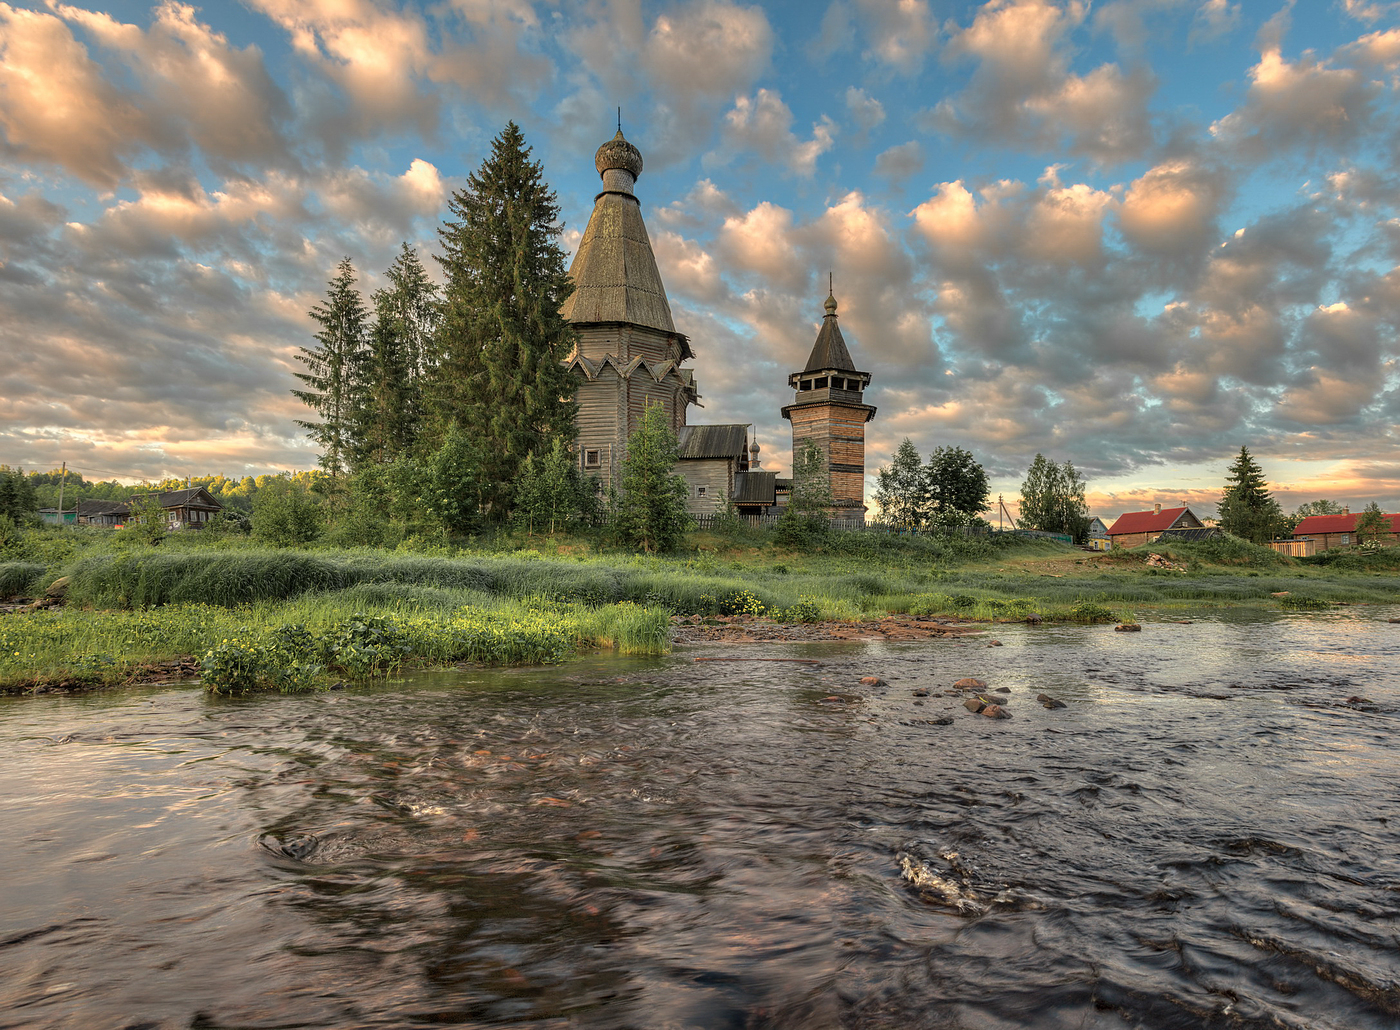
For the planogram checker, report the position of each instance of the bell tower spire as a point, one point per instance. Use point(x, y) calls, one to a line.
point(829, 410)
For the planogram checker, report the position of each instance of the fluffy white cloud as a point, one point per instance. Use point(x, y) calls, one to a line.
point(1302, 102)
point(1024, 92)
point(57, 106)
point(762, 123)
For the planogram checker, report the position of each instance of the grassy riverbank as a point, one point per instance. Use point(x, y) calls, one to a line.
point(504, 603)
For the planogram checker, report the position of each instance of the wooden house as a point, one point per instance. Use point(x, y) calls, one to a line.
point(1098, 539)
point(1329, 531)
point(829, 409)
point(710, 460)
point(1135, 528)
point(190, 508)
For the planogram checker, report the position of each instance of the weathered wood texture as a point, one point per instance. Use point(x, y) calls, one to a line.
point(714, 475)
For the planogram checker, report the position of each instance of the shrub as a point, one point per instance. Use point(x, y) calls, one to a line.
point(930, 604)
point(741, 602)
point(1088, 611)
point(360, 646)
point(243, 666)
point(805, 610)
point(1303, 603)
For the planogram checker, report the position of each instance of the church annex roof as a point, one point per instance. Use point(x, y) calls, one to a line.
point(829, 352)
point(614, 270)
point(722, 441)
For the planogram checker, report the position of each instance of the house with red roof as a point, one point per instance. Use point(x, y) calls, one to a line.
point(1328, 531)
point(1134, 528)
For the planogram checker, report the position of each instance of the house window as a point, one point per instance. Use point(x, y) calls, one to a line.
point(1346, 538)
point(592, 459)
point(700, 491)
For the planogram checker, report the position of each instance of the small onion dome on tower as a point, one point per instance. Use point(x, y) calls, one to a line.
point(753, 456)
point(619, 163)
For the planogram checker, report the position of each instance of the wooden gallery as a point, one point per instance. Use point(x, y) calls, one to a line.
point(629, 355)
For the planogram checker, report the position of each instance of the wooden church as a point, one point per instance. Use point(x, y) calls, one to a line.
point(629, 355)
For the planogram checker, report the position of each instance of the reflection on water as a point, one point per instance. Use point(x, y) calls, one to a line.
point(1206, 836)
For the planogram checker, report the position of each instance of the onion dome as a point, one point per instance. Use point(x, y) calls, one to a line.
point(617, 153)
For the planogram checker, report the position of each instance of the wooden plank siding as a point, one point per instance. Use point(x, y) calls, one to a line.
point(716, 475)
point(840, 433)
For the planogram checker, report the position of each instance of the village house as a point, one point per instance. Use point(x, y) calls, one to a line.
point(629, 355)
point(1135, 528)
point(1328, 531)
point(190, 508)
point(1098, 539)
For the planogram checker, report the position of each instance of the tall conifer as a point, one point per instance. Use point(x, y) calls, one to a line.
point(396, 361)
point(502, 342)
point(1247, 508)
point(333, 369)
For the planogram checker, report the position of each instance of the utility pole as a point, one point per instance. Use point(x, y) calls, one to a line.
point(61, 484)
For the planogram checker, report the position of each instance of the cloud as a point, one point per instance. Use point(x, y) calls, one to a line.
point(900, 162)
point(1302, 103)
point(899, 32)
point(865, 109)
point(222, 97)
point(1214, 19)
point(1022, 91)
point(762, 123)
point(57, 107)
point(1171, 209)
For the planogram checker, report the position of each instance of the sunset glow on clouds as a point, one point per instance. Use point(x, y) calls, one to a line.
point(1134, 234)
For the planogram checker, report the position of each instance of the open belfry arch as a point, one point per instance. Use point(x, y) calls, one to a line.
point(628, 352)
point(829, 409)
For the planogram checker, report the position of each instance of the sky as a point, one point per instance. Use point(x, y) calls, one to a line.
point(1135, 235)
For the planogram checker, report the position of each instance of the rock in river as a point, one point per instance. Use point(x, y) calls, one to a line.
point(1048, 701)
point(974, 705)
point(871, 681)
point(1128, 627)
point(996, 712)
point(969, 683)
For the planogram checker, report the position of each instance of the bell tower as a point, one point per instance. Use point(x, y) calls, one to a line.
point(829, 409)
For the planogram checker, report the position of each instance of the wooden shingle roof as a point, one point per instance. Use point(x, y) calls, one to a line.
point(728, 441)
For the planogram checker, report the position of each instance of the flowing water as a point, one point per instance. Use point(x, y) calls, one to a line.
point(1207, 835)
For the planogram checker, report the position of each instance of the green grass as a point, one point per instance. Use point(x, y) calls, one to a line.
point(516, 600)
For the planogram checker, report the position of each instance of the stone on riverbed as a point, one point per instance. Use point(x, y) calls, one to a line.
point(871, 681)
point(921, 692)
point(996, 712)
point(974, 705)
point(1048, 701)
point(1128, 627)
point(969, 683)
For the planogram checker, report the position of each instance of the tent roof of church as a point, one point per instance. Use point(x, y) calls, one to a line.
point(830, 349)
point(614, 270)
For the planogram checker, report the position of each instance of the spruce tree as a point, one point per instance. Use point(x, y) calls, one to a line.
point(396, 361)
point(957, 487)
point(501, 344)
point(651, 511)
point(901, 490)
point(334, 370)
point(1247, 508)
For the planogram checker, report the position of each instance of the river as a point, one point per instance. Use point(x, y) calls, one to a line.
point(1206, 835)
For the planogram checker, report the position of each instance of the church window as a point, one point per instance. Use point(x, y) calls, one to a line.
point(821, 383)
point(700, 491)
point(806, 384)
point(592, 459)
